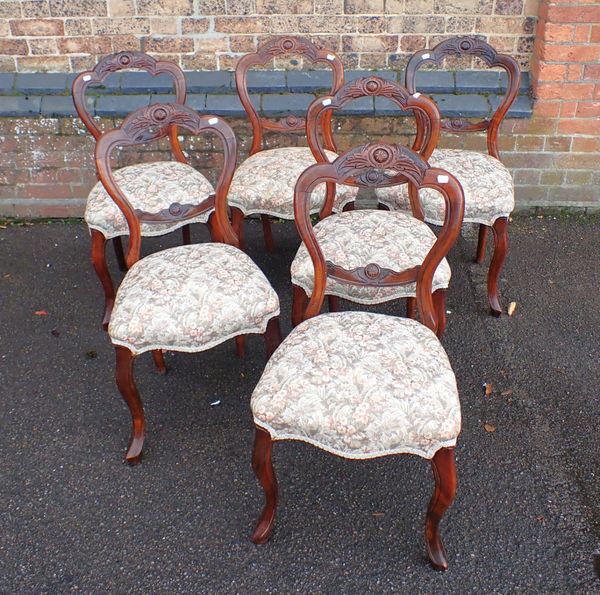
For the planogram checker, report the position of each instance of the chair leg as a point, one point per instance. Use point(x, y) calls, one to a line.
point(481, 243)
point(439, 305)
point(444, 472)
point(131, 396)
point(237, 222)
point(240, 345)
point(159, 361)
point(263, 468)
point(118, 248)
point(101, 268)
point(272, 336)
point(268, 233)
point(500, 229)
point(299, 304)
point(186, 233)
point(411, 307)
point(334, 303)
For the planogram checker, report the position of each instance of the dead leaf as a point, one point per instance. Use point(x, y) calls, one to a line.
point(488, 387)
point(540, 518)
point(511, 308)
point(489, 427)
point(379, 514)
point(506, 393)
point(91, 354)
point(41, 313)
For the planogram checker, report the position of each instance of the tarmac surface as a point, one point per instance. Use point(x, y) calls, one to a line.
point(75, 519)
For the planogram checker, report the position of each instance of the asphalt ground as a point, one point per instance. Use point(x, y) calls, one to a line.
point(75, 519)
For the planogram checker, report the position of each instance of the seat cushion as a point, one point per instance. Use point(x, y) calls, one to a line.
point(191, 298)
point(391, 239)
point(360, 385)
point(486, 182)
point(265, 182)
point(150, 187)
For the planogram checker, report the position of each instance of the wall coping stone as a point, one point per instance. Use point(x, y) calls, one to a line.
point(458, 94)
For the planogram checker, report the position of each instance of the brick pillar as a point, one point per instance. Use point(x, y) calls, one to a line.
point(566, 83)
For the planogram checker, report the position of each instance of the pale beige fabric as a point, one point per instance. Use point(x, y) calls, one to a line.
point(150, 187)
point(360, 385)
point(487, 185)
point(191, 298)
point(393, 240)
point(264, 183)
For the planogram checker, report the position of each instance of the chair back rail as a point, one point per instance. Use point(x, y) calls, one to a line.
point(152, 123)
point(376, 165)
point(474, 46)
point(280, 46)
point(125, 61)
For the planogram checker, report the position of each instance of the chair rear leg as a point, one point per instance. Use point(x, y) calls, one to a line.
point(186, 233)
point(268, 233)
point(481, 243)
point(334, 303)
point(240, 345)
point(500, 229)
point(262, 465)
point(299, 304)
point(101, 268)
point(131, 396)
point(411, 307)
point(272, 336)
point(439, 304)
point(237, 222)
point(120, 255)
point(159, 361)
point(444, 473)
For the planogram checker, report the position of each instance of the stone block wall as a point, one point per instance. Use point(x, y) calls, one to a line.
point(70, 35)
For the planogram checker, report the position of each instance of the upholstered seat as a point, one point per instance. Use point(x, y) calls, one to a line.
point(393, 240)
point(150, 187)
point(191, 298)
point(360, 385)
point(264, 183)
point(487, 185)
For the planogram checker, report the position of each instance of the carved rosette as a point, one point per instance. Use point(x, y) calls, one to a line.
point(466, 45)
point(122, 60)
point(372, 274)
point(374, 86)
point(377, 163)
point(153, 120)
point(290, 45)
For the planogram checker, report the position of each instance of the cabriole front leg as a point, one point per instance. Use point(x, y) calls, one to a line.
point(101, 268)
point(500, 229)
point(444, 473)
point(262, 465)
point(131, 396)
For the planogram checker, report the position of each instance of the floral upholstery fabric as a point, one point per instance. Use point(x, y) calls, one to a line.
point(393, 240)
point(360, 385)
point(265, 182)
point(486, 182)
point(150, 187)
point(191, 298)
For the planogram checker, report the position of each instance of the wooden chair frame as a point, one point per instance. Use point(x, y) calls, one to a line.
point(145, 125)
point(97, 75)
point(274, 47)
point(469, 45)
point(370, 165)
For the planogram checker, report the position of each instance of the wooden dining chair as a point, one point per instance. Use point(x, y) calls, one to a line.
point(363, 385)
point(392, 240)
point(487, 183)
point(189, 298)
point(263, 184)
point(149, 186)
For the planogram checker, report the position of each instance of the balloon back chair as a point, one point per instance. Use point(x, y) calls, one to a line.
point(364, 385)
point(188, 298)
point(402, 240)
point(487, 183)
point(178, 181)
point(264, 183)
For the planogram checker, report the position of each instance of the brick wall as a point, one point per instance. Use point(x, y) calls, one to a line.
point(70, 35)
